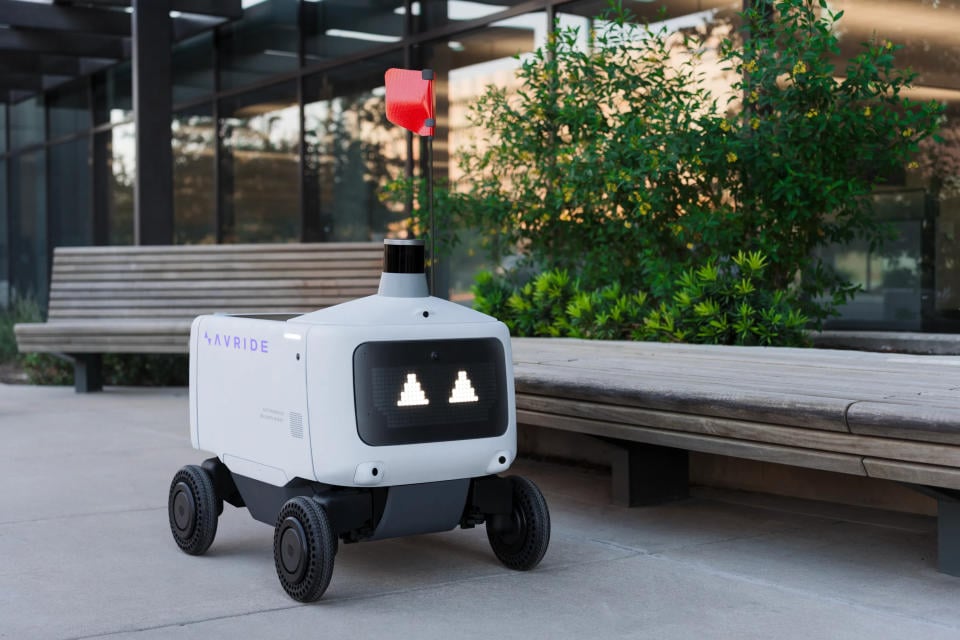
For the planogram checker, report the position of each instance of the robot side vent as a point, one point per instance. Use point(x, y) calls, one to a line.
point(296, 424)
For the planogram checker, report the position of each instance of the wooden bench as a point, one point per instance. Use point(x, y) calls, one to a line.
point(875, 415)
point(142, 299)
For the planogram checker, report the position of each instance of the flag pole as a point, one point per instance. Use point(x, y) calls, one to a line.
point(427, 74)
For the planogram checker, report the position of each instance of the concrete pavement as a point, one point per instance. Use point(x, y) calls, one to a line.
point(85, 552)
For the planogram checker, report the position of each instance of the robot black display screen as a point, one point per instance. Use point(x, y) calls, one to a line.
point(429, 390)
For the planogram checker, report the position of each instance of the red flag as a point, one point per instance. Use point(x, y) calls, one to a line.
point(410, 100)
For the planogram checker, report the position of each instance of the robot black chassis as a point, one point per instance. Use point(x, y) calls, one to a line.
point(413, 442)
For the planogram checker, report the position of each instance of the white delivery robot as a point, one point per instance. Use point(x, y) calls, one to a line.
point(386, 416)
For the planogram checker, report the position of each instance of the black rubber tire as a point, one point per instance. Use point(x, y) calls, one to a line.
point(521, 540)
point(302, 520)
point(192, 508)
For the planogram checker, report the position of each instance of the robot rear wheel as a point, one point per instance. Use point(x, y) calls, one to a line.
point(520, 540)
point(193, 507)
point(304, 547)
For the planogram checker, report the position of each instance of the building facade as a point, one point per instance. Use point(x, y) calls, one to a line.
point(278, 134)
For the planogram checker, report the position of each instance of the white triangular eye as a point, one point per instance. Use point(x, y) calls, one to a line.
point(463, 390)
point(412, 394)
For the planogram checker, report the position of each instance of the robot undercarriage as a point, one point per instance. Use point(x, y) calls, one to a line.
point(310, 518)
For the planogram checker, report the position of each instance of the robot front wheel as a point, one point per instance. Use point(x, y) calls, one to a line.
point(520, 539)
point(193, 507)
point(304, 546)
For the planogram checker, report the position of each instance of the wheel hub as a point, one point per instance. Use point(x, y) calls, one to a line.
point(184, 508)
point(293, 551)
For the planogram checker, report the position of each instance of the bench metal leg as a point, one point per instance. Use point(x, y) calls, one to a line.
point(87, 372)
point(948, 527)
point(948, 536)
point(646, 474)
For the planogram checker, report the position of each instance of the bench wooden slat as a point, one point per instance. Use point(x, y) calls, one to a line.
point(246, 274)
point(66, 289)
point(811, 439)
point(825, 461)
point(910, 473)
point(724, 398)
point(143, 299)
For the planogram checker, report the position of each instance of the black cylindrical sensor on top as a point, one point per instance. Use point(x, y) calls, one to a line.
point(403, 256)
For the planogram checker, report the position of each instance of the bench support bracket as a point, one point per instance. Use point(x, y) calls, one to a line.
point(87, 372)
point(948, 527)
point(647, 474)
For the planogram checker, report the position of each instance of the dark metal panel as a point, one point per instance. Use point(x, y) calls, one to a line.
point(70, 44)
point(232, 9)
point(152, 108)
point(15, 13)
point(22, 81)
point(19, 62)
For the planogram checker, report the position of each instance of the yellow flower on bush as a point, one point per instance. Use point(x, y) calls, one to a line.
point(751, 66)
point(913, 165)
point(799, 68)
point(907, 132)
point(754, 123)
point(812, 113)
point(867, 112)
point(724, 125)
point(754, 96)
point(731, 157)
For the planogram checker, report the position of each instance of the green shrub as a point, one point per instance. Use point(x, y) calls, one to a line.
point(22, 309)
point(119, 369)
point(728, 304)
point(714, 304)
point(46, 369)
point(616, 163)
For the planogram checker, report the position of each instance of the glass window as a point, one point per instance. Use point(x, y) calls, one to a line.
point(337, 28)
point(432, 14)
point(264, 43)
point(193, 68)
point(350, 152)
point(26, 123)
point(113, 94)
point(194, 182)
point(891, 278)
point(4, 244)
point(259, 166)
point(28, 227)
point(71, 223)
point(68, 110)
point(117, 147)
point(927, 246)
point(464, 67)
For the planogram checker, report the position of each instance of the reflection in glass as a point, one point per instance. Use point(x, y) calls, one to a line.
point(336, 28)
point(71, 222)
point(68, 110)
point(891, 279)
point(432, 14)
point(26, 123)
point(194, 184)
point(113, 94)
point(4, 243)
point(121, 167)
point(259, 166)
point(351, 152)
point(28, 229)
point(464, 68)
point(261, 45)
point(193, 68)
